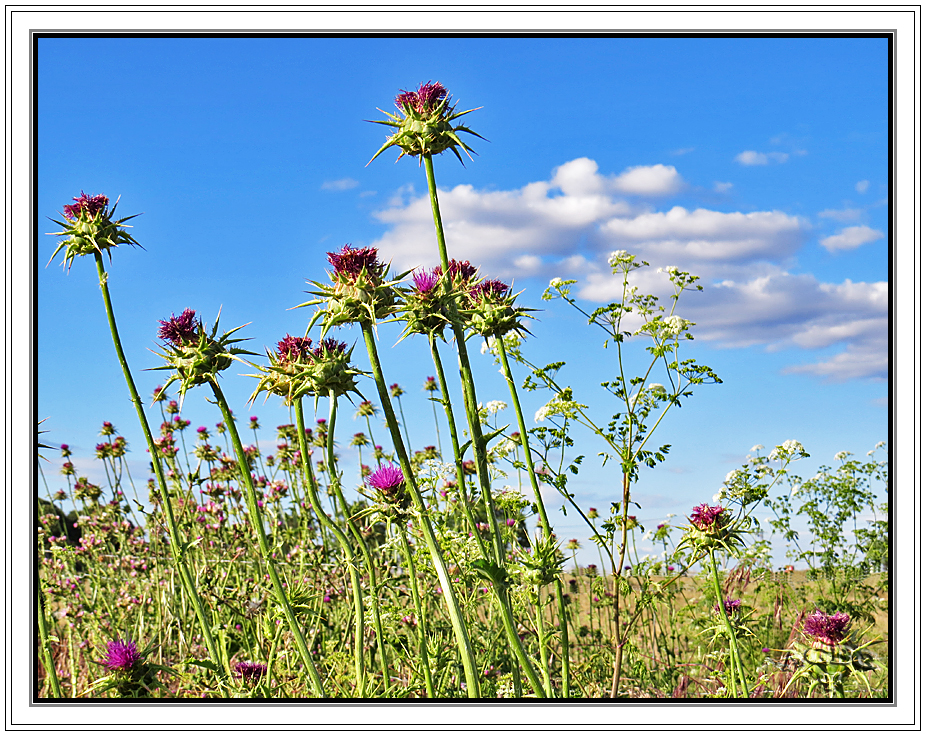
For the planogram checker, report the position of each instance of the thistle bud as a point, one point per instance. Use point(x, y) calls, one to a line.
point(196, 356)
point(424, 124)
point(89, 227)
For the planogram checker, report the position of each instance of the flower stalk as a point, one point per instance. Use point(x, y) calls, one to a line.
point(254, 512)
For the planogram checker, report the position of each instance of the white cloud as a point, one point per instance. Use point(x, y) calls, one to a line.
point(723, 186)
point(340, 185)
point(652, 180)
point(706, 234)
point(862, 186)
point(845, 215)
point(682, 151)
point(566, 226)
point(851, 238)
point(754, 158)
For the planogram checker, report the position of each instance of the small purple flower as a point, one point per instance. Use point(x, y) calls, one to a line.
point(705, 517)
point(430, 384)
point(291, 348)
point(329, 347)
point(121, 655)
point(493, 290)
point(462, 270)
point(425, 281)
point(91, 205)
point(730, 605)
point(425, 99)
point(351, 261)
point(386, 478)
point(828, 629)
point(180, 330)
point(250, 672)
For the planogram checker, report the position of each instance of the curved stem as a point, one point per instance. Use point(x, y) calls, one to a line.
point(340, 536)
point(419, 612)
point(50, 671)
point(450, 598)
point(176, 546)
point(367, 559)
point(734, 649)
point(257, 522)
point(544, 520)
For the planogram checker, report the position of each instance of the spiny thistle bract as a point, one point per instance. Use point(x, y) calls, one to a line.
point(359, 292)
point(490, 310)
point(130, 675)
point(89, 228)
point(296, 369)
point(391, 493)
point(195, 356)
point(712, 527)
point(424, 124)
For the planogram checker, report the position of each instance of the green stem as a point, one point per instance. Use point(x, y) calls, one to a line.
point(343, 541)
point(419, 612)
point(257, 522)
point(500, 593)
point(50, 671)
point(541, 510)
point(176, 546)
point(450, 598)
point(479, 451)
point(734, 649)
point(361, 543)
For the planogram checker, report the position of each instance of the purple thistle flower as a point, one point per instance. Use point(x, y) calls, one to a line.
point(292, 348)
point(705, 517)
point(250, 671)
point(458, 269)
point(180, 330)
point(425, 281)
point(351, 261)
point(91, 205)
point(386, 478)
point(829, 629)
point(493, 290)
point(121, 655)
point(329, 346)
point(730, 605)
point(425, 99)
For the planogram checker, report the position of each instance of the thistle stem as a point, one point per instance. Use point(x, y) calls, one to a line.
point(544, 520)
point(419, 612)
point(343, 541)
point(257, 522)
point(470, 403)
point(450, 598)
point(367, 559)
point(177, 548)
point(50, 671)
point(734, 649)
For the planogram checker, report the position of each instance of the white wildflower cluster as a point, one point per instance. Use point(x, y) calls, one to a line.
point(504, 448)
point(675, 326)
point(554, 282)
point(840, 456)
point(494, 407)
point(671, 270)
point(557, 406)
point(786, 450)
point(620, 260)
point(512, 342)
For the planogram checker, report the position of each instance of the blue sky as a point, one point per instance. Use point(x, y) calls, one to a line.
point(759, 164)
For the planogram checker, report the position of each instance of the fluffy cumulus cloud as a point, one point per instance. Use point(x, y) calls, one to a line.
point(851, 238)
point(567, 225)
